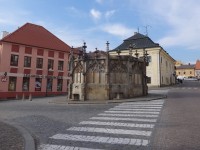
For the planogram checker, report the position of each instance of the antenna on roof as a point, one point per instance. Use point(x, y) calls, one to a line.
point(146, 29)
point(138, 29)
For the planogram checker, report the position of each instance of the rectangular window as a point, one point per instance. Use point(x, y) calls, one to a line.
point(12, 83)
point(25, 85)
point(59, 84)
point(50, 64)
point(14, 60)
point(60, 65)
point(27, 61)
point(39, 63)
point(38, 83)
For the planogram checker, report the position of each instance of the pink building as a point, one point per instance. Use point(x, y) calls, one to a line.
point(33, 62)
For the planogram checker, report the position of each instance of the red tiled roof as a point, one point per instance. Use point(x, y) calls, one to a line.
point(36, 36)
point(197, 65)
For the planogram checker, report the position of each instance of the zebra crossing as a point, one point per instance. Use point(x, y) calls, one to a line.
point(187, 88)
point(126, 125)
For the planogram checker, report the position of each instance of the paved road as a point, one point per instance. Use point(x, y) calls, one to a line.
point(179, 124)
point(166, 124)
point(127, 125)
point(98, 126)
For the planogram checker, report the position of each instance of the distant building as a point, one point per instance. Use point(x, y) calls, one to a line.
point(197, 68)
point(178, 63)
point(185, 70)
point(161, 69)
point(99, 76)
point(33, 62)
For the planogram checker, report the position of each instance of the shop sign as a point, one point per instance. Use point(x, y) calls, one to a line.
point(3, 79)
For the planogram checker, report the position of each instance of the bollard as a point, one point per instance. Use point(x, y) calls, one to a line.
point(16, 97)
point(30, 97)
point(23, 96)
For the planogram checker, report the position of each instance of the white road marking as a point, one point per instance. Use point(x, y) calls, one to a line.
point(135, 109)
point(142, 103)
point(144, 107)
point(100, 139)
point(125, 119)
point(128, 115)
point(62, 147)
point(111, 131)
point(118, 124)
point(128, 112)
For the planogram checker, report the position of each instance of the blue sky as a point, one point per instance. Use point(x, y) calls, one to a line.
point(174, 24)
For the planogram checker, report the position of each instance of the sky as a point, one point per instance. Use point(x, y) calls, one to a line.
point(174, 24)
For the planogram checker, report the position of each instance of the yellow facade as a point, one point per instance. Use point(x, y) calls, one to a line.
point(185, 71)
point(161, 68)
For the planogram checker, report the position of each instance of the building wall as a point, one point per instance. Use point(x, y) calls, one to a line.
point(167, 69)
point(153, 67)
point(197, 73)
point(160, 74)
point(185, 72)
point(20, 71)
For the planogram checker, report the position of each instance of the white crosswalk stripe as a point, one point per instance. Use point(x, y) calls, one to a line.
point(125, 119)
point(129, 123)
point(142, 103)
point(117, 124)
point(100, 139)
point(144, 107)
point(111, 131)
point(60, 147)
point(131, 112)
point(187, 88)
point(134, 109)
point(128, 115)
point(139, 105)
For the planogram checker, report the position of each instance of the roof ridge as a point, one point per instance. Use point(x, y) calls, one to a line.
point(36, 35)
point(54, 36)
point(18, 29)
point(136, 34)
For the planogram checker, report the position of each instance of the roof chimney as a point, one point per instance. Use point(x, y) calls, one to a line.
point(4, 34)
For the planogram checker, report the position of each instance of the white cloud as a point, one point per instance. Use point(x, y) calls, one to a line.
point(182, 18)
point(95, 14)
point(118, 30)
point(110, 13)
